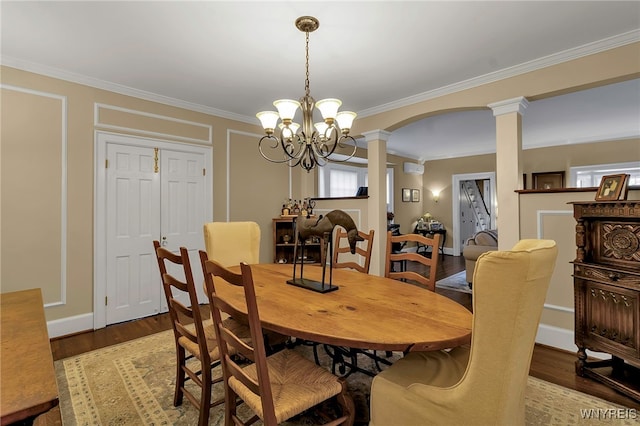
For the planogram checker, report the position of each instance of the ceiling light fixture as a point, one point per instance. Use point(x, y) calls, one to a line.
point(309, 145)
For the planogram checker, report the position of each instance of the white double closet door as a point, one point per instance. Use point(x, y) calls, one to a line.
point(153, 190)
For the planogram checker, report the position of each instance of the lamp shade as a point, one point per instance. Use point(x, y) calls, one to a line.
point(286, 108)
point(345, 119)
point(329, 107)
point(289, 131)
point(268, 119)
point(321, 127)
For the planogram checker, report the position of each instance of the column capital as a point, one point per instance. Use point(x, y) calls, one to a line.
point(376, 135)
point(507, 106)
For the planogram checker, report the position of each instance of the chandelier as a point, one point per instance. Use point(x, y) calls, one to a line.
point(308, 145)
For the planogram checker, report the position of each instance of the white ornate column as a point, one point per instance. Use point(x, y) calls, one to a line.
point(508, 115)
point(377, 203)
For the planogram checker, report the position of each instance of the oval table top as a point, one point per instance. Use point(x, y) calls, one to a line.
point(366, 312)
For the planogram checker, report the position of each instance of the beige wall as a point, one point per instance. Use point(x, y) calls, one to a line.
point(550, 216)
point(42, 218)
point(562, 158)
point(42, 116)
point(438, 174)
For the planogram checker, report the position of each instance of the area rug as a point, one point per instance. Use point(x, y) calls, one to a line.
point(457, 282)
point(132, 384)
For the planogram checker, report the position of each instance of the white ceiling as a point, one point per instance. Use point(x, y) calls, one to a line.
point(234, 58)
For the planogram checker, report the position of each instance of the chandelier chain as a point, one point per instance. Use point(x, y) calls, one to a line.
point(306, 81)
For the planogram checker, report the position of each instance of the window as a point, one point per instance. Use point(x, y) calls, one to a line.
point(590, 176)
point(341, 180)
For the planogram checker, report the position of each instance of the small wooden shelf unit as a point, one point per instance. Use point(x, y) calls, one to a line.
point(283, 251)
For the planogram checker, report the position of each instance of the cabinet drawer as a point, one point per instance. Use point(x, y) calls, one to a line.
point(616, 277)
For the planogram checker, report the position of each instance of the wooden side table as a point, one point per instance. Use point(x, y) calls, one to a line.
point(430, 233)
point(28, 378)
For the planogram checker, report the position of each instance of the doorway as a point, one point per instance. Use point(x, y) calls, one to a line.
point(466, 218)
point(146, 189)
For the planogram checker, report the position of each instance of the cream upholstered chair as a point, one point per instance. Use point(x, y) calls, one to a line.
point(481, 242)
point(483, 384)
point(230, 243)
point(276, 387)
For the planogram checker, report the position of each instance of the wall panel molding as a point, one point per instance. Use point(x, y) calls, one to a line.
point(62, 300)
point(118, 114)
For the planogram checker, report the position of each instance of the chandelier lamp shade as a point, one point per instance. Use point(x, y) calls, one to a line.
point(307, 144)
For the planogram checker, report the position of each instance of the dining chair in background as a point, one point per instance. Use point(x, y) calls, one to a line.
point(484, 382)
point(192, 337)
point(341, 246)
point(431, 263)
point(341, 259)
point(277, 387)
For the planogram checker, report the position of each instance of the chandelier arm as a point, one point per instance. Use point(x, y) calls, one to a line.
point(289, 146)
point(348, 157)
point(309, 160)
point(276, 144)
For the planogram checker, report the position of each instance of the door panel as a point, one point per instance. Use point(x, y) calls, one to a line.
point(183, 209)
point(133, 217)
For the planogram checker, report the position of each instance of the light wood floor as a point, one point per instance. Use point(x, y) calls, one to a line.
point(550, 364)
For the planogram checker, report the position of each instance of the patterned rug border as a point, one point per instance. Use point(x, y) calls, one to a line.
point(131, 383)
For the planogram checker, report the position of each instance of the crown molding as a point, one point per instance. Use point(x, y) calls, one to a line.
point(536, 64)
point(118, 88)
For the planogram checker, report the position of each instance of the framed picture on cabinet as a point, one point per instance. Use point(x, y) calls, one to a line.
point(415, 195)
point(406, 195)
point(611, 187)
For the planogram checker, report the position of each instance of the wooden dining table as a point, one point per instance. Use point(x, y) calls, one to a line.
point(366, 312)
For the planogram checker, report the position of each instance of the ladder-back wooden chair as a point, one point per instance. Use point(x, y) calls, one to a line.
point(342, 250)
point(428, 281)
point(277, 387)
point(192, 338)
point(230, 243)
point(364, 252)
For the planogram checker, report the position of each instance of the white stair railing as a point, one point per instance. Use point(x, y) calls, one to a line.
point(480, 212)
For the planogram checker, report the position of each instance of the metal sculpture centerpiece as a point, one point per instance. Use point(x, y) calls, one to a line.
point(321, 227)
point(308, 145)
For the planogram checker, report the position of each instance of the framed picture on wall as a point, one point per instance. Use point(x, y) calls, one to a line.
point(548, 180)
point(406, 195)
point(415, 195)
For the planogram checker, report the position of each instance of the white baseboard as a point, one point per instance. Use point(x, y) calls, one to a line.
point(70, 325)
point(562, 338)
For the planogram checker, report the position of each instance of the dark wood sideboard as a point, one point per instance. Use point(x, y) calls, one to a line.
point(606, 275)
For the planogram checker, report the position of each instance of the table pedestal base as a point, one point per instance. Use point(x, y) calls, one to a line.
point(316, 286)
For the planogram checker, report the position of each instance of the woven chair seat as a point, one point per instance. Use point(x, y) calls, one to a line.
point(297, 384)
point(239, 329)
